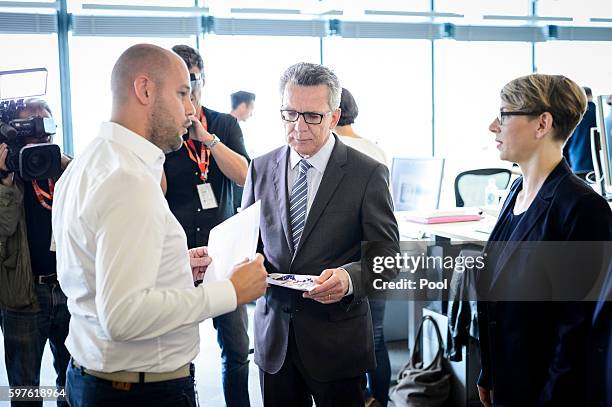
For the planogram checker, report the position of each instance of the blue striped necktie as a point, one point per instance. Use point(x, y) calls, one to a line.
point(298, 201)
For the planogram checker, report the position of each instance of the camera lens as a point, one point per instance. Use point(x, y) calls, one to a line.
point(39, 161)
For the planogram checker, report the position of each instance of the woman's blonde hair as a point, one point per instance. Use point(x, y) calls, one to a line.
point(556, 94)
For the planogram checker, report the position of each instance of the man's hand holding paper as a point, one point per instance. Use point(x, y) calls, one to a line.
point(333, 286)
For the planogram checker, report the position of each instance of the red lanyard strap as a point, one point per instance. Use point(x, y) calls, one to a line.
point(44, 196)
point(202, 160)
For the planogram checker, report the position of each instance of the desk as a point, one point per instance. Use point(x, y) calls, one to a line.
point(474, 231)
point(465, 372)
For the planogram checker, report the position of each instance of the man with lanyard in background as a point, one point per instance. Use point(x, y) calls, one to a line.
point(32, 305)
point(199, 189)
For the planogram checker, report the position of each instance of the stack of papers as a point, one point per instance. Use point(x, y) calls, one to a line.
point(444, 215)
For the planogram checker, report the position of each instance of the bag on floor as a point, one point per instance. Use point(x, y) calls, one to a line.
point(423, 386)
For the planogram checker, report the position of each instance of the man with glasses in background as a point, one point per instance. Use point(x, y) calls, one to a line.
point(199, 189)
point(319, 200)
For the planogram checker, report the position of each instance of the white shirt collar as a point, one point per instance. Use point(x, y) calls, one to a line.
point(319, 159)
point(149, 153)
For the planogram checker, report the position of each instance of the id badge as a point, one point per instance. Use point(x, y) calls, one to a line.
point(207, 196)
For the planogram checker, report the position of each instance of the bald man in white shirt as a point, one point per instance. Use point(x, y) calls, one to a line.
point(122, 256)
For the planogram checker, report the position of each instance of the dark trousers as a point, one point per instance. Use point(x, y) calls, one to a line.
point(26, 333)
point(233, 340)
point(83, 390)
point(379, 379)
point(292, 386)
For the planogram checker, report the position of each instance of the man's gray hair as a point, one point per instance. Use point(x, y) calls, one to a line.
point(307, 74)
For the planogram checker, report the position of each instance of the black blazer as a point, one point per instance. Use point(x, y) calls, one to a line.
point(536, 353)
point(352, 204)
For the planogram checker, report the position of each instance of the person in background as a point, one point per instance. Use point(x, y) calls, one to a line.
point(243, 104)
point(577, 149)
point(122, 256)
point(33, 307)
point(347, 134)
point(377, 392)
point(200, 179)
point(535, 352)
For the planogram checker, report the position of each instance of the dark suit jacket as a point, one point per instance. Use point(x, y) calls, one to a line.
point(352, 204)
point(577, 150)
point(536, 353)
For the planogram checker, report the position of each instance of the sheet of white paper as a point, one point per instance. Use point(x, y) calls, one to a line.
point(232, 241)
point(293, 281)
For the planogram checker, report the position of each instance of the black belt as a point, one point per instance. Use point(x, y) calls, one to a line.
point(48, 279)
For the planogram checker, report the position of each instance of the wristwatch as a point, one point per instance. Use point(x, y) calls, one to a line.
point(210, 144)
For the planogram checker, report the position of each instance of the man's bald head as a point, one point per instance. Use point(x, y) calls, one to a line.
point(142, 59)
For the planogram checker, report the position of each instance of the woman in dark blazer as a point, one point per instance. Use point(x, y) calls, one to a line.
point(534, 339)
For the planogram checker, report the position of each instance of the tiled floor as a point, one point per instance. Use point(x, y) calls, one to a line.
point(208, 368)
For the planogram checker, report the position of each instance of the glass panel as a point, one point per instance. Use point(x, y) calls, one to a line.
point(153, 3)
point(36, 51)
point(391, 83)
point(91, 62)
point(473, 10)
point(468, 79)
point(552, 58)
point(253, 64)
point(581, 11)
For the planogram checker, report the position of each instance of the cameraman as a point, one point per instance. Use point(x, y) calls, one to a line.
point(32, 305)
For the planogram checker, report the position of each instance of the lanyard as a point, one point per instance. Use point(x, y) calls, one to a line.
point(41, 194)
point(193, 154)
point(203, 159)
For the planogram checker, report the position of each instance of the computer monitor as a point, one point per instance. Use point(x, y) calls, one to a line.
point(604, 125)
point(416, 183)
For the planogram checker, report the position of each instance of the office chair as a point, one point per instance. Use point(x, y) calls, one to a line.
point(470, 185)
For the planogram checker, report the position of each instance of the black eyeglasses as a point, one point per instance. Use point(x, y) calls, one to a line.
point(196, 79)
point(502, 114)
point(309, 117)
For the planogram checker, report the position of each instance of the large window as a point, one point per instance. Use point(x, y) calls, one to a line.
point(581, 11)
point(391, 83)
point(586, 63)
point(473, 10)
point(91, 62)
point(468, 79)
point(36, 51)
point(254, 64)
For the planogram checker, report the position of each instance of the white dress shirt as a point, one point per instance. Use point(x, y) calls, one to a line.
point(314, 176)
point(122, 261)
point(367, 147)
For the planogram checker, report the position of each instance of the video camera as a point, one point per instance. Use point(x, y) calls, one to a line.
point(29, 152)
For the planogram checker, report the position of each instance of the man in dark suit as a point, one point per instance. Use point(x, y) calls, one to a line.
point(320, 199)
